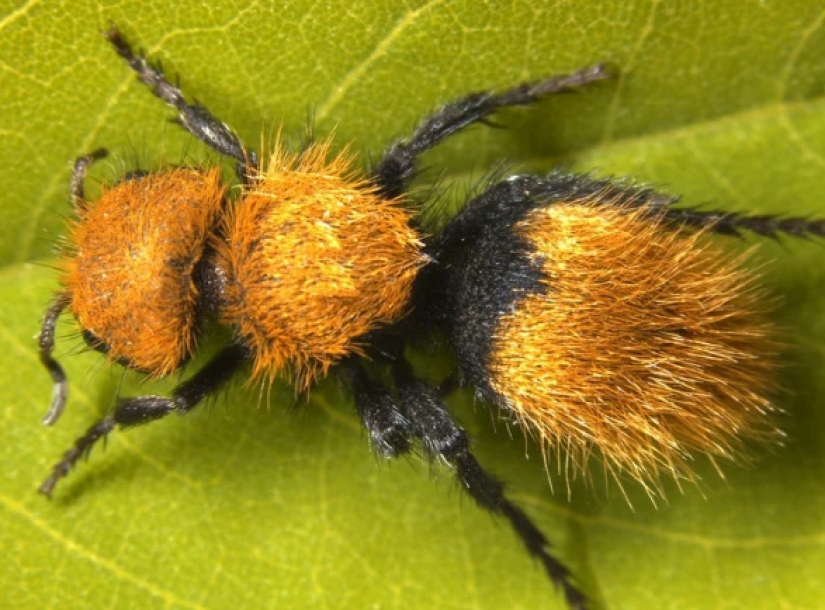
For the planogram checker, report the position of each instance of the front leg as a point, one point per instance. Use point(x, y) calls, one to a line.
point(144, 409)
point(196, 119)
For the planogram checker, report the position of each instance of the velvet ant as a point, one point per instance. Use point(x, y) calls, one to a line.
point(594, 313)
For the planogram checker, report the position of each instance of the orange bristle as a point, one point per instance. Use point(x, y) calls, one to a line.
point(649, 344)
point(131, 259)
point(315, 259)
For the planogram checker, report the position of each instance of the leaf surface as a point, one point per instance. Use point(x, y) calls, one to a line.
point(253, 503)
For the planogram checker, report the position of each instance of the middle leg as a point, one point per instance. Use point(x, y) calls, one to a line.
point(397, 165)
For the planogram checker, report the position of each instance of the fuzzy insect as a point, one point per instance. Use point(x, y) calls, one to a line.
point(592, 312)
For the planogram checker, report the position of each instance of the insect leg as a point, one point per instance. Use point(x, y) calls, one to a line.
point(442, 437)
point(398, 163)
point(144, 409)
point(196, 119)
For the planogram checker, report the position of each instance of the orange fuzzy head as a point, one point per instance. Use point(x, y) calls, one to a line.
point(314, 259)
point(133, 254)
point(646, 343)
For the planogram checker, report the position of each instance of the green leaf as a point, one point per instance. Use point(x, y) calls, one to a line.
point(251, 503)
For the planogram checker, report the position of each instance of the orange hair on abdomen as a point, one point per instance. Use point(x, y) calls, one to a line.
point(647, 343)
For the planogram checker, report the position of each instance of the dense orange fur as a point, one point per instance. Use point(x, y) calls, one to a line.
point(314, 260)
point(649, 344)
point(134, 251)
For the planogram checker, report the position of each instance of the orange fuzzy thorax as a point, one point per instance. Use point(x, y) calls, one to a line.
point(314, 259)
point(648, 343)
point(133, 253)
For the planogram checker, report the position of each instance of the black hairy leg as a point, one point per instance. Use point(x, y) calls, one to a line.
point(196, 119)
point(79, 171)
point(60, 389)
point(443, 438)
point(389, 430)
point(733, 223)
point(144, 409)
point(559, 186)
point(397, 165)
point(47, 330)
